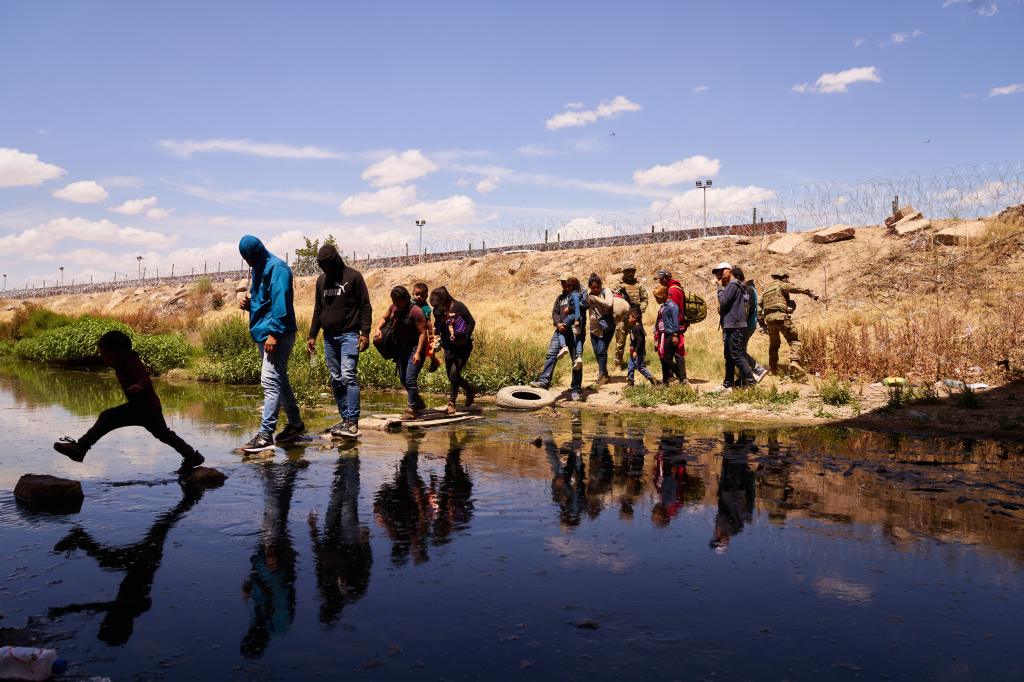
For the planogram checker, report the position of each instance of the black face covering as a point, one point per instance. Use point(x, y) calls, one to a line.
point(330, 260)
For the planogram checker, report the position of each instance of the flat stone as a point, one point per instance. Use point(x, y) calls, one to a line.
point(903, 229)
point(835, 233)
point(49, 492)
point(786, 243)
point(205, 477)
point(961, 234)
point(901, 214)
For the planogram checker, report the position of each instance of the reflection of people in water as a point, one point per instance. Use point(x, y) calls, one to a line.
point(599, 482)
point(735, 490)
point(631, 452)
point(415, 514)
point(675, 483)
point(567, 481)
point(138, 561)
point(270, 587)
point(342, 551)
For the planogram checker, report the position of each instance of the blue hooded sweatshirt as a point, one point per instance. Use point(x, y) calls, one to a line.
point(270, 295)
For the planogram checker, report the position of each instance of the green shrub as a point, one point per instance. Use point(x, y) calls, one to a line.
point(161, 352)
point(836, 392)
point(73, 343)
point(650, 396)
point(32, 320)
point(227, 339)
point(202, 286)
point(966, 398)
point(759, 395)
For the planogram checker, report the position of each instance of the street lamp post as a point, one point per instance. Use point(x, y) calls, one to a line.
point(704, 185)
point(420, 224)
point(139, 258)
point(62, 275)
point(5, 282)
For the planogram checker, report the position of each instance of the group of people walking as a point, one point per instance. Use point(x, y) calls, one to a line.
point(615, 312)
point(419, 324)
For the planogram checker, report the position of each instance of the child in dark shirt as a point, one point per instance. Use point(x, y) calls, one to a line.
point(637, 349)
point(142, 409)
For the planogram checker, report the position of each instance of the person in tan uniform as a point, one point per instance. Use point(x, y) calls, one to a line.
point(627, 287)
point(774, 315)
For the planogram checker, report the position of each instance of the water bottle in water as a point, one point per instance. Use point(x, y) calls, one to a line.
point(26, 663)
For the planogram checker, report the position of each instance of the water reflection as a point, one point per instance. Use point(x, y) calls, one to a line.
point(341, 551)
point(735, 490)
point(139, 562)
point(416, 515)
point(270, 586)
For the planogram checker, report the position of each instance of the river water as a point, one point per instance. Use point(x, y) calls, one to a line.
point(619, 546)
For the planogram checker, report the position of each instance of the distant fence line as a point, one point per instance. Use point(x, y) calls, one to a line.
point(653, 237)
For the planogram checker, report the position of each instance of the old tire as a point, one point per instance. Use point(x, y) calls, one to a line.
point(524, 398)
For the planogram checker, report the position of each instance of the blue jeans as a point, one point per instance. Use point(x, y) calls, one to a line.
point(277, 390)
point(558, 341)
point(601, 345)
point(638, 365)
point(408, 374)
point(342, 355)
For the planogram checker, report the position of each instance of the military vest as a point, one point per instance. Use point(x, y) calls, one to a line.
point(773, 298)
point(632, 290)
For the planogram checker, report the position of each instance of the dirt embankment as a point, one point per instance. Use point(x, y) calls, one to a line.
point(875, 272)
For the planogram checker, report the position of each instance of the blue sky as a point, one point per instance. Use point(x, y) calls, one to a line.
point(168, 131)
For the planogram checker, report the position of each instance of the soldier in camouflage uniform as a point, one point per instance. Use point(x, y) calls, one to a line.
point(629, 288)
point(774, 316)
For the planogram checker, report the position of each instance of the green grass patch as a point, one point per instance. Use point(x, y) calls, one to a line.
point(834, 391)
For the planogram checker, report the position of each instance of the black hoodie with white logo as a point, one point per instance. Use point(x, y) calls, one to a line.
point(342, 301)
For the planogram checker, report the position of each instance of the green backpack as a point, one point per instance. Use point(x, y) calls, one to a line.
point(694, 308)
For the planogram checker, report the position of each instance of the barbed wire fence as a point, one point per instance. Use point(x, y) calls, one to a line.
point(961, 192)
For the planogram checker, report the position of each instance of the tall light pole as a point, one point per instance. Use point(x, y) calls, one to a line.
point(704, 185)
point(420, 224)
point(62, 275)
point(139, 258)
point(5, 282)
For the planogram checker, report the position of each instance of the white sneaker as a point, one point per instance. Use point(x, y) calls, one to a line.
point(725, 390)
point(578, 364)
point(562, 351)
point(759, 374)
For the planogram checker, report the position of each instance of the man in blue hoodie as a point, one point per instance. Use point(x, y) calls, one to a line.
point(272, 326)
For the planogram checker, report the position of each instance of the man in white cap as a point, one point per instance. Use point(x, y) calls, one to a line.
point(733, 314)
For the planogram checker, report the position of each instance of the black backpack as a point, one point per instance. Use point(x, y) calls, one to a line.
point(387, 346)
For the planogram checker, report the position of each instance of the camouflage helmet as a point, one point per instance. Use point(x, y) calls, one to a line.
point(628, 265)
point(780, 274)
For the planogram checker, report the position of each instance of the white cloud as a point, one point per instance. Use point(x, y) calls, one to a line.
point(857, 42)
point(488, 184)
point(158, 213)
point(388, 200)
point(106, 231)
point(684, 170)
point(135, 206)
point(454, 210)
point(982, 8)
point(259, 196)
point(900, 38)
point(29, 243)
point(270, 150)
point(581, 117)
point(699, 89)
point(1006, 90)
point(19, 169)
point(398, 169)
point(840, 81)
point(554, 181)
point(573, 105)
point(968, 95)
point(534, 150)
point(82, 192)
point(718, 199)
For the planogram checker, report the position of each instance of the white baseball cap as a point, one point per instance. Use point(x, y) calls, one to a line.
point(721, 266)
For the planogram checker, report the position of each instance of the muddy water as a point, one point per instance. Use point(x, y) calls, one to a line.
point(620, 546)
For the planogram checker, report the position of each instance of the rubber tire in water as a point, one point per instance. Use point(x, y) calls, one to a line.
point(524, 398)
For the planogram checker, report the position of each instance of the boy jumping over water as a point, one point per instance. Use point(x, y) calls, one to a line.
point(142, 409)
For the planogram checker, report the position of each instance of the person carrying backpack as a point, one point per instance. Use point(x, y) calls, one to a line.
point(758, 370)
point(732, 316)
point(407, 326)
point(674, 292)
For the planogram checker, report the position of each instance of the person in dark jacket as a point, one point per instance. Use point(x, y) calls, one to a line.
point(342, 310)
point(272, 327)
point(637, 348)
point(142, 409)
point(733, 315)
point(454, 325)
point(564, 336)
point(756, 369)
point(410, 330)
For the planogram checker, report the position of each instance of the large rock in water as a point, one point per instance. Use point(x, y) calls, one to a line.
point(41, 491)
point(786, 243)
point(962, 234)
point(205, 477)
point(836, 233)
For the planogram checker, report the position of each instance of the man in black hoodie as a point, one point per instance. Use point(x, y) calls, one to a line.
point(342, 309)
